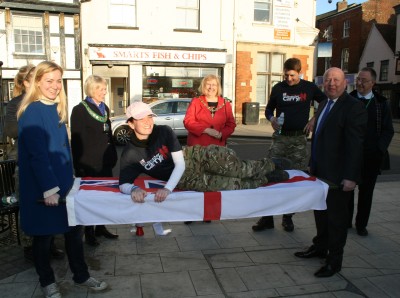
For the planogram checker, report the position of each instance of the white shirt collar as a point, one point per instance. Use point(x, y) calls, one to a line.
point(368, 96)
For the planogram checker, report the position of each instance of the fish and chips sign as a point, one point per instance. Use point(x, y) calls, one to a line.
point(142, 54)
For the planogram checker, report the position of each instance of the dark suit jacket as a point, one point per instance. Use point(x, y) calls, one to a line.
point(339, 144)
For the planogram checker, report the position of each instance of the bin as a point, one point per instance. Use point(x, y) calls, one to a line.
point(251, 111)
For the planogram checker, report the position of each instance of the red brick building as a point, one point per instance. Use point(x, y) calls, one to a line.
point(347, 28)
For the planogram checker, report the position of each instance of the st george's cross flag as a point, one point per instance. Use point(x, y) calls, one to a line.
point(96, 201)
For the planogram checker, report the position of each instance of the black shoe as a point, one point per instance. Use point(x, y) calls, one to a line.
point(28, 254)
point(57, 253)
point(277, 176)
point(287, 223)
point(265, 222)
point(362, 232)
point(311, 252)
point(102, 231)
point(282, 163)
point(90, 238)
point(327, 271)
point(187, 222)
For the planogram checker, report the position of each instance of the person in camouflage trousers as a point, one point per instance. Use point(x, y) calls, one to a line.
point(293, 98)
point(213, 168)
point(293, 146)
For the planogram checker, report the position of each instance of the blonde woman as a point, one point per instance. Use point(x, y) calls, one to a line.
point(46, 173)
point(93, 148)
point(209, 118)
point(21, 84)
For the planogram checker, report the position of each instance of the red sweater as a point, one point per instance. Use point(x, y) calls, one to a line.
point(199, 117)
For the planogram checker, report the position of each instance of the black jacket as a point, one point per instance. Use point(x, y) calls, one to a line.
point(92, 144)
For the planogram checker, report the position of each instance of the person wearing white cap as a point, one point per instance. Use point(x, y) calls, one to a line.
point(155, 151)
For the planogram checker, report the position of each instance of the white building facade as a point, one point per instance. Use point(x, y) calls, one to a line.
point(148, 50)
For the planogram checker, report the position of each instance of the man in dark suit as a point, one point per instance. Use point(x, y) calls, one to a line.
point(379, 135)
point(336, 157)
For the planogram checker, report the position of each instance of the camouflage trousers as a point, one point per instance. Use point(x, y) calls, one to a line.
point(291, 147)
point(215, 168)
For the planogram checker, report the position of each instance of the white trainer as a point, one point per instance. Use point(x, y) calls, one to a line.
point(94, 284)
point(51, 291)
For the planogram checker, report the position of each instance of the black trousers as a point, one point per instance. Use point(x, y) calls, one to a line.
point(332, 226)
point(371, 170)
point(74, 249)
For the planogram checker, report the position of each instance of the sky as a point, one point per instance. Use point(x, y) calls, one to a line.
point(324, 6)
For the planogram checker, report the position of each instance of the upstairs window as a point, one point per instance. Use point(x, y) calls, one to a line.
point(383, 73)
point(345, 60)
point(263, 11)
point(28, 35)
point(122, 13)
point(346, 28)
point(188, 14)
point(370, 64)
point(328, 33)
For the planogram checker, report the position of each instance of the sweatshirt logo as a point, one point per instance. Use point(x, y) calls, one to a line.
point(294, 98)
point(156, 159)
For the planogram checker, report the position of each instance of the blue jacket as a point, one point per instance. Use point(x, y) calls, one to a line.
point(44, 163)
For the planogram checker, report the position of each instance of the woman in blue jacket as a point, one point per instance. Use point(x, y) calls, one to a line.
point(46, 173)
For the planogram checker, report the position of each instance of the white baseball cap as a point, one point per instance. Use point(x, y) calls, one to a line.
point(138, 110)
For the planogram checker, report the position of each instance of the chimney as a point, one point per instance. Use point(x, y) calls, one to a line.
point(341, 5)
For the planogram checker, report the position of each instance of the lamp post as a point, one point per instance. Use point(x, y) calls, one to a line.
point(2, 112)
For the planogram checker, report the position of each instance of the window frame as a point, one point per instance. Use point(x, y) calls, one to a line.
point(384, 71)
point(42, 50)
point(270, 10)
point(346, 29)
point(188, 9)
point(127, 6)
point(268, 75)
point(344, 59)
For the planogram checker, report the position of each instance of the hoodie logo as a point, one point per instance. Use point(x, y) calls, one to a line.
point(302, 97)
point(156, 159)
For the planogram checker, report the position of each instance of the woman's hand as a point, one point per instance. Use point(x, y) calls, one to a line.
point(138, 195)
point(52, 200)
point(213, 133)
point(161, 195)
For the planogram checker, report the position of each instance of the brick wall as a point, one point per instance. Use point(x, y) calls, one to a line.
point(243, 78)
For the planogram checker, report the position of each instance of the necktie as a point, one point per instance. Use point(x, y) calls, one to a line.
point(319, 125)
point(324, 115)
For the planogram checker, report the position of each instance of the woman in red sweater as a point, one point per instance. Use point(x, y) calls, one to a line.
point(209, 118)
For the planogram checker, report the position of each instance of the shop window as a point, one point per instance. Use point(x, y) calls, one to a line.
point(28, 34)
point(122, 13)
point(263, 11)
point(160, 82)
point(188, 15)
point(269, 73)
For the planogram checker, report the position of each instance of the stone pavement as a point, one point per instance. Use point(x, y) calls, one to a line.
point(227, 259)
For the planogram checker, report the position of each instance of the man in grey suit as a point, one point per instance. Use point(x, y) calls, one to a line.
point(336, 156)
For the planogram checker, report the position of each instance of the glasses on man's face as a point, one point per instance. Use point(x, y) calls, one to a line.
point(362, 80)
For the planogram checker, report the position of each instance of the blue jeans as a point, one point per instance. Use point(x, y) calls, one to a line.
point(74, 249)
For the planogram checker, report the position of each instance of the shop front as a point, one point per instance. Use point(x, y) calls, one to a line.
point(152, 74)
